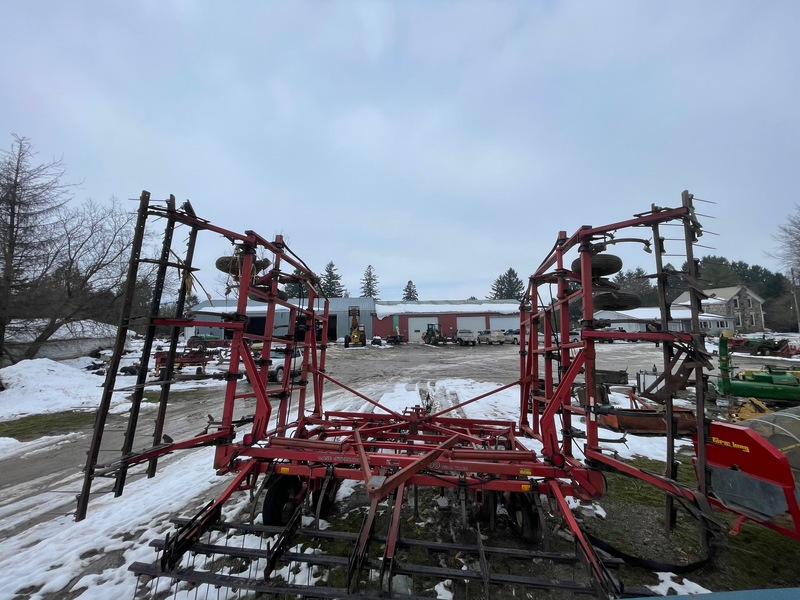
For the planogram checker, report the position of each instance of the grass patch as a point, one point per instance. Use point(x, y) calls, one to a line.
point(35, 426)
point(756, 558)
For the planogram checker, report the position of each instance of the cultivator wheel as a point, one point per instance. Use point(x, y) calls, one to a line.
point(525, 517)
point(603, 265)
point(281, 499)
point(616, 301)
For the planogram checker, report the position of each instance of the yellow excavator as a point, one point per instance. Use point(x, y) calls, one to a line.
point(358, 332)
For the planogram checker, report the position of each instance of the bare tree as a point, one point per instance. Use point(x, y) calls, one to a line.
point(31, 197)
point(788, 238)
point(88, 269)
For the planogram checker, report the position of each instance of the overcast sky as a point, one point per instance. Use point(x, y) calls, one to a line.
point(441, 142)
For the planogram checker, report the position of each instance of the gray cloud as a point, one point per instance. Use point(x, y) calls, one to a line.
point(439, 142)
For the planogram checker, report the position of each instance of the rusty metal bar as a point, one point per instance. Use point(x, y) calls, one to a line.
point(113, 366)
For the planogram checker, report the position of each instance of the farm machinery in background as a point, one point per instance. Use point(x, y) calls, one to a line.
point(433, 335)
point(770, 383)
point(358, 331)
point(281, 443)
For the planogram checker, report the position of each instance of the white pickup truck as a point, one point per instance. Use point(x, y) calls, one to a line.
point(466, 337)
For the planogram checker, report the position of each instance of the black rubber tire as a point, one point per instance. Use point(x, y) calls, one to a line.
point(603, 265)
point(201, 347)
point(278, 505)
point(228, 265)
point(524, 518)
point(616, 301)
point(279, 374)
point(261, 264)
point(473, 343)
point(488, 508)
point(347, 341)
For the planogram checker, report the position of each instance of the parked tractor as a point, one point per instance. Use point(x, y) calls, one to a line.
point(358, 332)
point(433, 335)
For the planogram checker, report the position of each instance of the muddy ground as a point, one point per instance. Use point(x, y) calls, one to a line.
point(372, 371)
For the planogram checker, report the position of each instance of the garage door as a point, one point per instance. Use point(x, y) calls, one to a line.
point(419, 325)
point(474, 323)
point(504, 323)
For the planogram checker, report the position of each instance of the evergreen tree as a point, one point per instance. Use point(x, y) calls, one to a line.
point(716, 272)
point(674, 285)
point(637, 282)
point(369, 284)
point(331, 283)
point(508, 286)
point(410, 291)
point(294, 289)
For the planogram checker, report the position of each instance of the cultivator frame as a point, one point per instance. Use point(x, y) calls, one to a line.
point(300, 451)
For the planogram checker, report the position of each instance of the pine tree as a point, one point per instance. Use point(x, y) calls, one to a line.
point(369, 284)
point(507, 286)
point(331, 283)
point(410, 291)
point(293, 288)
point(637, 282)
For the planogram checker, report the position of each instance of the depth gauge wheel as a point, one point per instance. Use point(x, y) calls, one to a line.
point(279, 499)
point(616, 301)
point(524, 518)
point(603, 265)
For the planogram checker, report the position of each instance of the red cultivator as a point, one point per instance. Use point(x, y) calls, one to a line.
point(297, 454)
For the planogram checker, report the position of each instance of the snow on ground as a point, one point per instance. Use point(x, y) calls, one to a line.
point(52, 556)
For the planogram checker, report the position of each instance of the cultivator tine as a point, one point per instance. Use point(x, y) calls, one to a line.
point(284, 541)
point(188, 535)
point(322, 493)
point(392, 535)
point(359, 553)
point(204, 520)
point(486, 569)
point(606, 586)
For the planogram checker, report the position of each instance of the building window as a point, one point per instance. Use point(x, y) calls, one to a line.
point(736, 303)
point(749, 302)
point(752, 319)
point(738, 319)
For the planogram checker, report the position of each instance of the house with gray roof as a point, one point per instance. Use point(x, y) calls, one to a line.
point(738, 303)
